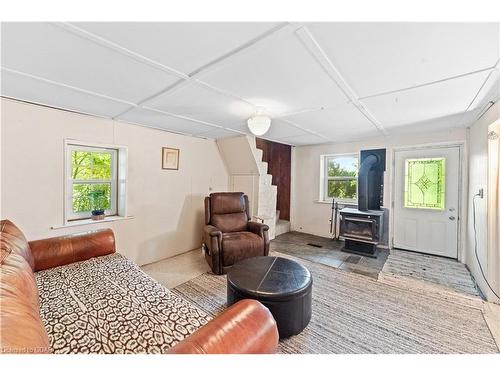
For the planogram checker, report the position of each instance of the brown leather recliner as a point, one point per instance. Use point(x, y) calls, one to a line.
point(229, 236)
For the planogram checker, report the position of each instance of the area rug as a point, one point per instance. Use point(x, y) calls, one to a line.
point(428, 274)
point(356, 314)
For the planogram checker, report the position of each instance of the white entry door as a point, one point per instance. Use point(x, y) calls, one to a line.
point(426, 200)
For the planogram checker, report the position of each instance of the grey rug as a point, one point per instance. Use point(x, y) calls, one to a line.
point(447, 273)
point(356, 314)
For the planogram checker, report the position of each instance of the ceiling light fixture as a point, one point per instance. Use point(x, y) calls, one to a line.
point(259, 124)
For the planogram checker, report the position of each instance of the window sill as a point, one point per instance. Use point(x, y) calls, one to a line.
point(350, 203)
point(78, 223)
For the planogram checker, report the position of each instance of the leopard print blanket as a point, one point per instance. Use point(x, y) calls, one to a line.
point(109, 305)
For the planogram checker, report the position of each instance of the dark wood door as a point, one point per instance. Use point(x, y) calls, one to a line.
point(279, 159)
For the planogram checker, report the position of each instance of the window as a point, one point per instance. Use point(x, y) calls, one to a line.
point(424, 183)
point(91, 181)
point(340, 177)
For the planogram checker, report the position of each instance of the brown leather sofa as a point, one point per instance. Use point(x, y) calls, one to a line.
point(229, 236)
point(247, 327)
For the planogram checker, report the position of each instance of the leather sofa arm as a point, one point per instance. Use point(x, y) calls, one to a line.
point(59, 251)
point(247, 327)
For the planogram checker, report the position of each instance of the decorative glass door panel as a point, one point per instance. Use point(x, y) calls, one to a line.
point(425, 183)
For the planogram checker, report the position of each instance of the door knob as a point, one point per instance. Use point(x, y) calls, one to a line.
point(452, 217)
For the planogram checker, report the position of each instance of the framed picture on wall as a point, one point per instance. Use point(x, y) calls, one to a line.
point(170, 158)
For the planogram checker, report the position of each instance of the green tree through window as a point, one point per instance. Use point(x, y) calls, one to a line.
point(342, 177)
point(91, 180)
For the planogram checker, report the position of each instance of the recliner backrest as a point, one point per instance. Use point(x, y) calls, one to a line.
point(228, 211)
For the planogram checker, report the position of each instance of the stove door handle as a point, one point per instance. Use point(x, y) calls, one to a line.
point(361, 220)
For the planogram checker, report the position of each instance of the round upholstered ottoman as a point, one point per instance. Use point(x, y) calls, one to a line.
point(280, 284)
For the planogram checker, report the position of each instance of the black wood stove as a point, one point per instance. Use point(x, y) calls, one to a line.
point(361, 230)
point(361, 227)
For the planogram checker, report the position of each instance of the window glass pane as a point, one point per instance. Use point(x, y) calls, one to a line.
point(346, 189)
point(424, 183)
point(86, 165)
point(88, 197)
point(343, 166)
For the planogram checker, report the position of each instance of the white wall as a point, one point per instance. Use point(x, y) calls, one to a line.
point(478, 178)
point(241, 164)
point(167, 205)
point(310, 216)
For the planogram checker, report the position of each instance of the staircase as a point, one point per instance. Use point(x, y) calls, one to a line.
point(248, 173)
point(282, 226)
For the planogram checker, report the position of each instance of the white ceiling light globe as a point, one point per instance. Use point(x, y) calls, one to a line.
point(259, 124)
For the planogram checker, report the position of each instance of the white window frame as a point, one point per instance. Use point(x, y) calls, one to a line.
point(325, 179)
point(69, 215)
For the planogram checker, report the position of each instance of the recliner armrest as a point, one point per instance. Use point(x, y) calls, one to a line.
point(212, 231)
point(261, 230)
point(257, 228)
point(212, 238)
point(247, 327)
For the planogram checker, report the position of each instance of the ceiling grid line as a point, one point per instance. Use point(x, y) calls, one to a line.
point(277, 31)
point(282, 30)
point(313, 47)
point(182, 117)
point(305, 129)
point(103, 42)
point(13, 71)
point(187, 118)
point(231, 73)
point(493, 69)
point(241, 48)
point(185, 76)
point(425, 84)
point(142, 101)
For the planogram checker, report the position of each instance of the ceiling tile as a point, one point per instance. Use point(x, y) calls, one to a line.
point(381, 57)
point(161, 121)
point(490, 90)
point(279, 74)
point(303, 140)
point(281, 129)
point(184, 46)
point(427, 102)
point(219, 133)
point(240, 126)
point(40, 92)
point(458, 120)
point(343, 122)
point(196, 101)
point(48, 51)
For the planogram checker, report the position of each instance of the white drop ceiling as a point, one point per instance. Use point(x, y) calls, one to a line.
point(319, 82)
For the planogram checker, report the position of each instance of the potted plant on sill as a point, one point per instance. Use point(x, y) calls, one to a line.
point(98, 200)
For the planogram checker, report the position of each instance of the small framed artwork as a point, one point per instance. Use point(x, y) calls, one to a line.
point(170, 158)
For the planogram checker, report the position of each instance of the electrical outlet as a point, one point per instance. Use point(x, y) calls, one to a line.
point(480, 193)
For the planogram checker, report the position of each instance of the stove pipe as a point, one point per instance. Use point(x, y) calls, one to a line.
point(371, 179)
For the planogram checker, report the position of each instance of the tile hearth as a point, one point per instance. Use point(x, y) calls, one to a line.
point(306, 246)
